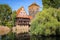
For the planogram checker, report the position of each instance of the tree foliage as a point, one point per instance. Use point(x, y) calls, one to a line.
point(5, 14)
point(11, 23)
point(7, 17)
point(46, 22)
point(51, 3)
point(13, 17)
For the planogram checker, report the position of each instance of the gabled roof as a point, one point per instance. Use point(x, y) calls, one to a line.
point(21, 13)
point(18, 11)
point(34, 4)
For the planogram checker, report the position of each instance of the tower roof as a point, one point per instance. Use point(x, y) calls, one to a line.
point(34, 4)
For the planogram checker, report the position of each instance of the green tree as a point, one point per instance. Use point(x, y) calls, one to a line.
point(11, 23)
point(7, 18)
point(51, 3)
point(13, 17)
point(46, 22)
point(5, 14)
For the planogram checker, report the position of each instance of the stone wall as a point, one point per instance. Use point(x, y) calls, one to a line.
point(21, 29)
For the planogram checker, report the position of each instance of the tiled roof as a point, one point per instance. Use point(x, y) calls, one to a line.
point(18, 11)
point(22, 14)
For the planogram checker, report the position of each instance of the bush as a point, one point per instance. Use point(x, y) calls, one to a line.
point(46, 22)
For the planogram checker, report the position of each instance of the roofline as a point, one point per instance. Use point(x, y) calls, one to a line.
point(32, 4)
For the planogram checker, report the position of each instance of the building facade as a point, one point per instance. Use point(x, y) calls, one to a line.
point(22, 21)
point(33, 9)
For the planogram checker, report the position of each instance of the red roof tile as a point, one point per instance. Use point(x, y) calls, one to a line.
point(22, 14)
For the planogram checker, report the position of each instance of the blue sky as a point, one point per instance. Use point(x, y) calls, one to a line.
point(16, 4)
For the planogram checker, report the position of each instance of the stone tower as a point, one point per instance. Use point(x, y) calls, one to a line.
point(33, 9)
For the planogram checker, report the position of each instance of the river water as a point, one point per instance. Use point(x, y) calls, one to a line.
point(33, 38)
point(40, 38)
point(45, 38)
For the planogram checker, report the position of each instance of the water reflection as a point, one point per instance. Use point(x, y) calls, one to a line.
point(40, 38)
point(33, 38)
point(45, 38)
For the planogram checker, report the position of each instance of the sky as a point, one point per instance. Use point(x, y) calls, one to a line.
point(16, 4)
